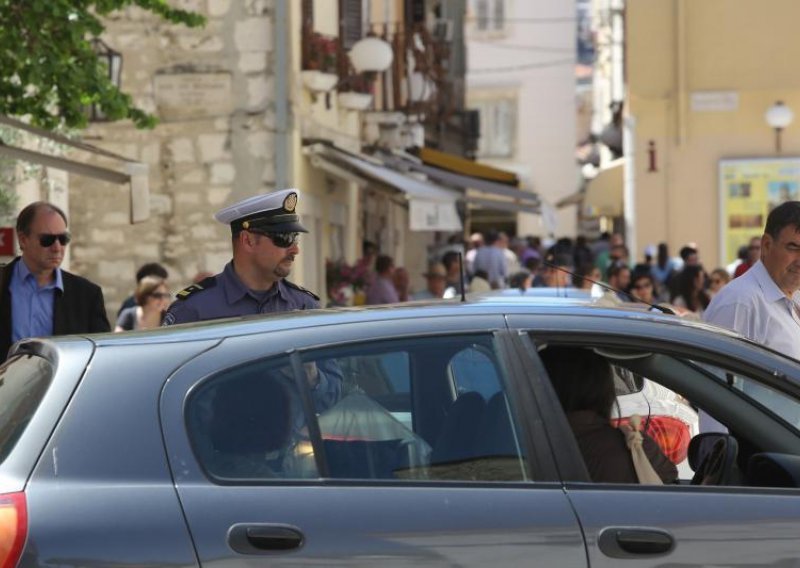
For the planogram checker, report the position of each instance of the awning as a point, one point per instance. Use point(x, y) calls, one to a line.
point(431, 207)
point(572, 199)
point(604, 191)
point(470, 175)
point(135, 173)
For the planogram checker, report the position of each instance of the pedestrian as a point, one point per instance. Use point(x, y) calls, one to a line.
point(752, 256)
point(619, 278)
point(436, 279)
point(764, 304)
point(152, 300)
point(37, 297)
point(521, 280)
point(718, 278)
point(382, 290)
point(149, 269)
point(691, 293)
point(491, 259)
point(264, 233)
point(402, 283)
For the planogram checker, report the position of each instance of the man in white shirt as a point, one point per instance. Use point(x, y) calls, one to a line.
point(763, 303)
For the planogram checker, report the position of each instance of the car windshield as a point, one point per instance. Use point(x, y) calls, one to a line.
point(24, 379)
point(776, 401)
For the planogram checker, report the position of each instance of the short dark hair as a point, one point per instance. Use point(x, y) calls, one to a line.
point(383, 263)
point(26, 216)
point(616, 268)
point(450, 257)
point(687, 251)
point(151, 269)
point(782, 216)
point(581, 378)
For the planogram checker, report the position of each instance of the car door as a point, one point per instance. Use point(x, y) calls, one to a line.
point(742, 524)
point(384, 471)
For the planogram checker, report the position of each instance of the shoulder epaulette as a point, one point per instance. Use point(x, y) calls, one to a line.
point(204, 284)
point(296, 287)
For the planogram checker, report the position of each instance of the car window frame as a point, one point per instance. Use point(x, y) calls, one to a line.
point(233, 351)
point(566, 453)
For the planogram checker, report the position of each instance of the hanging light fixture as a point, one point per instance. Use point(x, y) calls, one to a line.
point(113, 61)
point(371, 55)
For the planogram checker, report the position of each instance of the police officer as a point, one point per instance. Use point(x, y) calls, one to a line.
point(264, 231)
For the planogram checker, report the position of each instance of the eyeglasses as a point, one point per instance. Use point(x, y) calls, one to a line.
point(161, 295)
point(282, 240)
point(47, 240)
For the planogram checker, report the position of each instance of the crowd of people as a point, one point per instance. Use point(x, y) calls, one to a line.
point(494, 261)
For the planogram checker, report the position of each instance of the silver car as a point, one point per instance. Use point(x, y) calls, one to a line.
point(428, 435)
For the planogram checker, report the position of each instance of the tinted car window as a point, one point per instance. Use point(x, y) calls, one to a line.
point(24, 380)
point(421, 409)
point(248, 423)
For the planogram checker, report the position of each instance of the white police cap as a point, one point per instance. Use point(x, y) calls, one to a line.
point(271, 212)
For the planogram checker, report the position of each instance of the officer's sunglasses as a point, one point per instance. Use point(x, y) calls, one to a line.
point(282, 240)
point(47, 240)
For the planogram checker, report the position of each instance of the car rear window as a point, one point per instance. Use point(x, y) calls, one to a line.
point(24, 379)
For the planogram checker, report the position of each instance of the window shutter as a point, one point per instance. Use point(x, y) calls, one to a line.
point(351, 22)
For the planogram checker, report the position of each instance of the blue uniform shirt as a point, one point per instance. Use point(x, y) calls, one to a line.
point(32, 306)
point(224, 295)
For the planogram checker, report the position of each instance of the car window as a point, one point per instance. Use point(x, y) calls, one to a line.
point(248, 423)
point(420, 409)
point(776, 401)
point(24, 380)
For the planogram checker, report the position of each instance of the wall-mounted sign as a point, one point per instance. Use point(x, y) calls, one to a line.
point(6, 241)
point(714, 101)
point(749, 189)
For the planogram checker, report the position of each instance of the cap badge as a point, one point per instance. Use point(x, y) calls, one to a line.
point(290, 202)
point(246, 225)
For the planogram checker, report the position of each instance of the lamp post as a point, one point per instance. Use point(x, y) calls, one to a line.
point(778, 116)
point(371, 55)
point(113, 62)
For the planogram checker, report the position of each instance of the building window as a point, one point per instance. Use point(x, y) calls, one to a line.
point(490, 15)
point(497, 127)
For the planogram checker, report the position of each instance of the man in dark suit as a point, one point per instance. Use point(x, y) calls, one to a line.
point(37, 297)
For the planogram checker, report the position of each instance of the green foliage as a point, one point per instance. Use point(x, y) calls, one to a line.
point(50, 72)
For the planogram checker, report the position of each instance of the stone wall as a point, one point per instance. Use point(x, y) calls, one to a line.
point(212, 90)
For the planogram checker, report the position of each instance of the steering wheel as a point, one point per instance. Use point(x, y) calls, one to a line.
point(717, 466)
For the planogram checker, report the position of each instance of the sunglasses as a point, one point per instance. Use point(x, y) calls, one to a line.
point(48, 240)
point(161, 295)
point(282, 240)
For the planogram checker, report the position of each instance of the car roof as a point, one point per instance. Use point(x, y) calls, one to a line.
point(501, 305)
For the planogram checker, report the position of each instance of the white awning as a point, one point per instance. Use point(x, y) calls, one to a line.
point(604, 192)
point(136, 173)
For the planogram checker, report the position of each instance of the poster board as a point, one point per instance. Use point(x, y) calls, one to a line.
point(749, 188)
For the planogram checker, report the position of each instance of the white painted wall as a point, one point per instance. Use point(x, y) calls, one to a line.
point(534, 58)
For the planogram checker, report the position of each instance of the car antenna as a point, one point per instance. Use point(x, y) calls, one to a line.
point(633, 298)
point(462, 277)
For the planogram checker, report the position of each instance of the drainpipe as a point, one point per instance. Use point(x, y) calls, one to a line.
point(283, 156)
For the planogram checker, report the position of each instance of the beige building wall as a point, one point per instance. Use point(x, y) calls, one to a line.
point(677, 51)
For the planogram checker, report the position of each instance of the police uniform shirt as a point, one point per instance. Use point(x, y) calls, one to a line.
point(224, 295)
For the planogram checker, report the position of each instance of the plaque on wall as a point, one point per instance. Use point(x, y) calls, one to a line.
point(193, 95)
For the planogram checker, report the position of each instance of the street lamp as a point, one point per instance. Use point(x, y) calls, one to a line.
point(113, 61)
point(371, 55)
point(778, 116)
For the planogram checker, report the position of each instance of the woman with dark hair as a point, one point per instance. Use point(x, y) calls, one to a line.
point(691, 289)
point(642, 287)
point(663, 271)
point(585, 387)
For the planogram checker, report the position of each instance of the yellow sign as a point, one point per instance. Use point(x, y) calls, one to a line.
point(749, 190)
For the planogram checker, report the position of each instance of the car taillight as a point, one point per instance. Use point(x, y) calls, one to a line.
point(13, 528)
point(671, 435)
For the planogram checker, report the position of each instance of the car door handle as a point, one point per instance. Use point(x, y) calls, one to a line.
point(255, 538)
point(633, 542)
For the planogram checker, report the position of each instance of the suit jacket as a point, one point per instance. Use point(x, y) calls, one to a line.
point(78, 309)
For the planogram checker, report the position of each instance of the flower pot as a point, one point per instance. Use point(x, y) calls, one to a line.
point(355, 101)
point(318, 81)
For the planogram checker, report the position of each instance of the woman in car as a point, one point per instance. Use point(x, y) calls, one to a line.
point(584, 383)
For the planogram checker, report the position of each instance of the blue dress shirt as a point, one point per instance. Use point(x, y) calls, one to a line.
point(32, 305)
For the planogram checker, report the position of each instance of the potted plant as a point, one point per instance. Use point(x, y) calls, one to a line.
point(320, 73)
